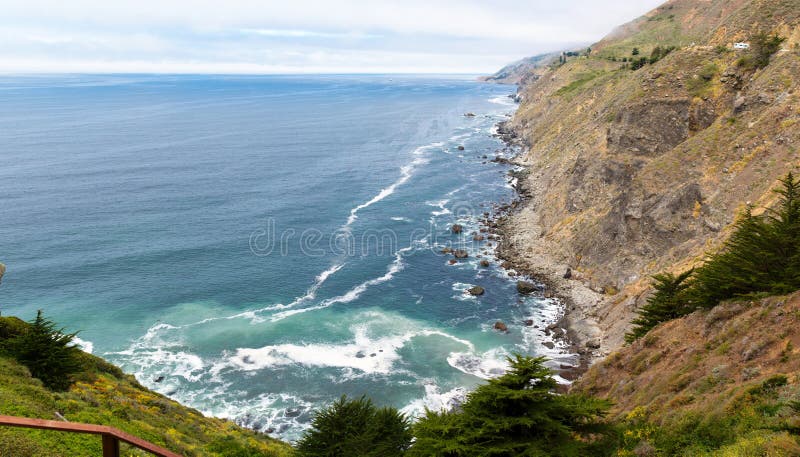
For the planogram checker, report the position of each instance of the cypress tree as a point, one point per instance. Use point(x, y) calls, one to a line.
point(761, 256)
point(517, 414)
point(356, 428)
point(668, 302)
point(47, 351)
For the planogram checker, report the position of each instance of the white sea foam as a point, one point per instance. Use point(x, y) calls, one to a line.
point(400, 219)
point(435, 400)
point(367, 354)
point(489, 364)
point(439, 204)
point(396, 266)
point(406, 171)
point(84, 345)
point(502, 100)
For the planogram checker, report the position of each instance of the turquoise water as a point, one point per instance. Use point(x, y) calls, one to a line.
point(266, 244)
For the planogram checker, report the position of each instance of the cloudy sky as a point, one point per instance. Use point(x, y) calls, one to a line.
point(296, 36)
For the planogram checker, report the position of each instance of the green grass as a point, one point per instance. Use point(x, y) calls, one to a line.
point(103, 395)
point(573, 87)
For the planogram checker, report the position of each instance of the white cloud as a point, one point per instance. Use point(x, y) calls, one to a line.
point(466, 35)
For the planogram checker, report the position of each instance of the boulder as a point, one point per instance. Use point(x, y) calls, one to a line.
point(548, 344)
point(461, 148)
point(457, 228)
point(452, 262)
point(529, 323)
point(525, 287)
point(2, 271)
point(476, 291)
point(568, 274)
point(477, 238)
point(485, 263)
point(460, 254)
point(500, 326)
point(447, 250)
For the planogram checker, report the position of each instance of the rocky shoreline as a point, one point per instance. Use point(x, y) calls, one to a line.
point(515, 227)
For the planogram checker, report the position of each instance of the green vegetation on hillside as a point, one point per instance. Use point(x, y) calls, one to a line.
point(99, 393)
point(761, 257)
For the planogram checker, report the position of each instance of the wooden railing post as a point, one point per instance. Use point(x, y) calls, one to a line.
point(110, 446)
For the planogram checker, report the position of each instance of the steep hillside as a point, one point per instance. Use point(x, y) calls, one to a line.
point(633, 172)
point(103, 395)
point(721, 379)
point(522, 71)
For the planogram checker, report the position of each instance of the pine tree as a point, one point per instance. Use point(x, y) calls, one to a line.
point(356, 428)
point(668, 302)
point(48, 353)
point(761, 256)
point(517, 414)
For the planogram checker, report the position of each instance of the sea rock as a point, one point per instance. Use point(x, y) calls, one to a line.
point(525, 287)
point(476, 291)
point(548, 344)
point(485, 263)
point(460, 254)
point(457, 228)
point(469, 114)
point(452, 262)
point(447, 250)
point(159, 379)
point(2, 271)
point(477, 238)
point(360, 355)
point(529, 323)
point(500, 326)
point(461, 148)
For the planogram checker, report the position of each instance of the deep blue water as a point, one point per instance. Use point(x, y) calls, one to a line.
point(266, 244)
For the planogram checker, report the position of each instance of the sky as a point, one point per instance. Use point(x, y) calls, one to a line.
point(296, 36)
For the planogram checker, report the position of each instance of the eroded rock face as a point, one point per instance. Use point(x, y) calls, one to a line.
point(650, 128)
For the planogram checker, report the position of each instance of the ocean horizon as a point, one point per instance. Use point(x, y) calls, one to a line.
point(256, 246)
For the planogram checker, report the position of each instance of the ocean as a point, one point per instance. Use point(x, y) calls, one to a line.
point(257, 246)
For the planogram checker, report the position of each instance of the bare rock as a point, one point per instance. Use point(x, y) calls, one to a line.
point(457, 228)
point(500, 326)
point(525, 287)
point(476, 291)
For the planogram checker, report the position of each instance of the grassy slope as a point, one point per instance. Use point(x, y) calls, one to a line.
point(104, 395)
point(696, 385)
point(617, 215)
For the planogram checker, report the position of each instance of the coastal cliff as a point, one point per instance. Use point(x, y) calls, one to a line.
point(641, 151)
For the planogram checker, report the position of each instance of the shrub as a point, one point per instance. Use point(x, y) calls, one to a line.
point(356, 428)
point(515, 414)
point(48, 352)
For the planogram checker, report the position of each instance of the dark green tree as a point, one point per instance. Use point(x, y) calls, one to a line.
point(668, 302)
point(517, 414)
point(762, 256)
point(356, 428)
point(635, 52)
point(764, 46)
point(47, 351)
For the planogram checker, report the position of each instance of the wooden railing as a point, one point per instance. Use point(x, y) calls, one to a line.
point(110, 435)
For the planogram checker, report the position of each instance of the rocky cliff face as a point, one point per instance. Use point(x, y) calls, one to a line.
point(636, 172)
